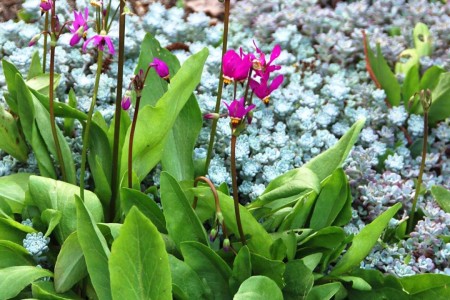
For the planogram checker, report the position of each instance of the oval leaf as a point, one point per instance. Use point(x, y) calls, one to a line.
point(258, 288)
point(15, 279)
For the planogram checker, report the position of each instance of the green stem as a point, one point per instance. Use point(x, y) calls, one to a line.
point(212, 136)
point(247, 86)
point(422, 167)
point(51, 94)
point(130, 146)
point(115, 153)
point(44, 54)
point(87, 129)
point(235, 189)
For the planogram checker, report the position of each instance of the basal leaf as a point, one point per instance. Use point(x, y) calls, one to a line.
point(299, 280)
point(139, 255)
point(258, 288)
point(242, 269)
point(15, 279)
point(51, 218)
point(46, 290)
point(440, 108)
point(442, 197)
point(324, 291)
point(274, 269)
point(11, 139)
point(41, 82)
point(12, 190)
point(35, 66)
point(13, 254)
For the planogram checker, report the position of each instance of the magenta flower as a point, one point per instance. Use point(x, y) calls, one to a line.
point(236, 66)
point(46, 5)
point(79, 26)
point(34, 40)
point(100, 40)
point(261, 66)
point(161, 68)
point(237, 110)
point(126, 101)
point(263, 90)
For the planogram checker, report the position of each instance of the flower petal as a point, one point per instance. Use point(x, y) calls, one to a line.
point(276, 83)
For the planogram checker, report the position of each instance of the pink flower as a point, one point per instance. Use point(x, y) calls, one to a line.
point(126, 102)
point(236, 66)
point(261, 66)
point(161, 68)
point(46, 5)
point(79, 26)
point(237, 110)
point(100, 40)
point(263, 90)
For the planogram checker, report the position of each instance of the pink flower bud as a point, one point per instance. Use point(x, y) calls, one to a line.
point(126, 101)
point(161, 68)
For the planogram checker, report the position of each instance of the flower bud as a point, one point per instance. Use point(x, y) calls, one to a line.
point(212, 235)
point(226, 245)
point(219, 216)
point(126, 101)
point(211, 116)
point(34, 40)
point(161, 68)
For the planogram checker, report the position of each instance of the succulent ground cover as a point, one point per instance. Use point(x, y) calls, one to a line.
point(326, 171)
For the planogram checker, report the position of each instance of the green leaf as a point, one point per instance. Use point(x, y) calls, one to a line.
point(209, 266)
point(430, 78)
point(297, 218)
point(70, 266)
point(440, 108)
point(411, 58)
point(410, 85)
point(274, 269)
point(14, 255)
point(357, 282)
point(186, 280)
point(324, 164)
point(61, 109)
point(138, 254)
point(11, 139)
point(35, 66)
point(364, 241)
point(15, 279)
point(12, 190)
point(10, 71)
point(95, 250)
point(181, 221)
point(41, 82)
point(324, 291)
point(151, 137)
point(51, 218)
point(11, 233)
point(330, 201)
point(45, 290)
point(442, 197)
point(69, 122)
point(299, 280)
point(48, 193)
point(44, 161)
point(131, 197)
point(426, 282)
point(422, 39)
point(258, 288)
point(242, 269)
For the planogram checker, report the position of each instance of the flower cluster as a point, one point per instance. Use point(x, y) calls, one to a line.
point(36, 244)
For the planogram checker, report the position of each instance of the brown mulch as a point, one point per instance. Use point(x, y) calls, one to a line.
point(9, 9)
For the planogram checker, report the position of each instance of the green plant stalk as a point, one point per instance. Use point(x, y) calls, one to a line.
point(130, 146)
point(44, 53)
point(51, 94)
point(115, 150)
point(212, 135)
point(235, 189)
point(87, 129)
point(422, 167)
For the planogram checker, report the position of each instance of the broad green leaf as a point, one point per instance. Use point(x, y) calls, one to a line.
point(95, 250)
point(15, 279)
point(301, 212)
point(13, 223)
point(422, 40)
point(312, 261)
point(61, 109)
point(442, 197)
point(259, 288)
point(430, 78)
point(131, 197)
point(364, 241)
point(70, 266)
point(274, 269)
point(209, 266)
point(273, 221)
point(181, 221)
point(12, 190)
point(69, 122)
point(51, 218)
point(440, 108)
point(139, 255)
point(330, 201)
point(110, 230)
point(410, 58)
point(35, 66)
point(324, 164)
point(299, 280)
point(48, 193)
point(426, 282)
point(325, 241)
point(41, 82)
point(44, 161)
point(410, 85)
point(185, 279)
point(10, 71)
point(324, 291)
point(151, 137)
point(13, 254)
point(10, 233)
point(242, 269)
point(11, 139)
point(46, 290)
point(259, 241)
point(357, 282)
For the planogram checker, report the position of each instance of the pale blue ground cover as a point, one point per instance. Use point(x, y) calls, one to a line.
point(326, 89)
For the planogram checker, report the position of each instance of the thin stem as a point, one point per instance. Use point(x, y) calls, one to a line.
point(44, 54)
point(235, 189)
point(115, 157)
point(235, 90)
point(130, 146)
point(422, 167)
point(212, 135)
point(51, 95)
point(88, 123)
point(248, 85)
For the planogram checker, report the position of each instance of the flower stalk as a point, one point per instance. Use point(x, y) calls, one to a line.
point(44, 53)
point(235, 189)
point(130, 146)
point(426, 100)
